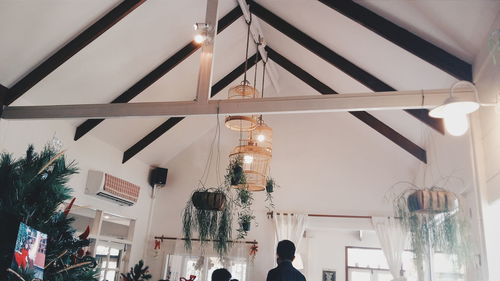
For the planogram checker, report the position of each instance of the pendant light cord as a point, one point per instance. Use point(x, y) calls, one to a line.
point(246, 50)
point(256, 65)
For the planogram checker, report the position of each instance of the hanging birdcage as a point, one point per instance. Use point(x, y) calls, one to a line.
point(263, 135)
point(242, 123)
point(256, 161)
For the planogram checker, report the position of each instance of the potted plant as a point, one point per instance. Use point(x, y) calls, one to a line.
point(435, 222)
point(245, 197)
point(244, 220)
point(235, 174)
point(137, 273)
point(270, 186)
point(208, 212)
point(210, 200)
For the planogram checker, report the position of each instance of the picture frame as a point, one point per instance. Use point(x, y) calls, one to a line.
point(329, 275)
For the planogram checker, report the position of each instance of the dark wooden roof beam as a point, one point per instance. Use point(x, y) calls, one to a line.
point(403, 38)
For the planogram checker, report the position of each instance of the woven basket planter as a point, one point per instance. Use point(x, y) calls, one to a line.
point(206, 200)
point(432, 201)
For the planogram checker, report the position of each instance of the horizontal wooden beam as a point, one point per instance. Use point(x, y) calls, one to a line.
point(337, 60)
point(158, 72)
point(272, 105)
point(71, 48)
point(363, 116)
point(403, 38)
point(171, 122)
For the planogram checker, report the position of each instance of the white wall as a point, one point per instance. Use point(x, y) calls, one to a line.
point(88, 153)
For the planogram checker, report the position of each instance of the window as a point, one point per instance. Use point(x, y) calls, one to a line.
point(369, 264)
point(202, 267)
point(108, 258)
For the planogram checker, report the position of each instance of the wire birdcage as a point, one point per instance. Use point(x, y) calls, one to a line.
point(242, 123)
point(263, 135)
point(256, 160)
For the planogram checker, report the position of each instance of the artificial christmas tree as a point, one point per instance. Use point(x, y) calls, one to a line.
point(32, 190)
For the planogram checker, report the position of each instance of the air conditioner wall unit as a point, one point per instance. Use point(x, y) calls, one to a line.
point(108, 187)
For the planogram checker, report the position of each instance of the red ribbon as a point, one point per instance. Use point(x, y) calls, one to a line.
point(157, 244)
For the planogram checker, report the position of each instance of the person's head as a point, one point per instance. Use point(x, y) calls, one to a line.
point(221, 274)
point(285, 251)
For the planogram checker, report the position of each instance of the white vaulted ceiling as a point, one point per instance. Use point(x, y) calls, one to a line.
point(121, 56)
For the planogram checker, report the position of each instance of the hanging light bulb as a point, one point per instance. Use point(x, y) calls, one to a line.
point(456, 124)
point(454, 111)
point(261, 138)
point(201, 32)
point(248, 159)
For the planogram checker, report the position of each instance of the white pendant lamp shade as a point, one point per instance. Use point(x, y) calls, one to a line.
point(455, 112)
point(452, 106)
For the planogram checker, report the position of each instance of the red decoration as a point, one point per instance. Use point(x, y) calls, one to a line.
point(22, 258)
point(253, 251)
point(68, 208)
point(191, 278)
point(85, 234)
point(157, 244)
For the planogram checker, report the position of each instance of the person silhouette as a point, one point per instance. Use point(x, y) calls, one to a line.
point(221, 274)
point(285, 253)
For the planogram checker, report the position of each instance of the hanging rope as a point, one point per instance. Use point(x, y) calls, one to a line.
point(246, 50)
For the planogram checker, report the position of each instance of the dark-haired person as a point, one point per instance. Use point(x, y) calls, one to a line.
point(285, 271)
point(221, 274)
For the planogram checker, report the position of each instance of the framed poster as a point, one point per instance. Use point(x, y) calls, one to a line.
point(29, 251)
point(329, 275)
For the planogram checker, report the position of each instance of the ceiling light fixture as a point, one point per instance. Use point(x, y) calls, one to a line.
point(454, 111)
point(201, 34)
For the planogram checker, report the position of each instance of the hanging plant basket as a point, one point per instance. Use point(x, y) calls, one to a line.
point(270, 185)
point(432, 201)
point(207, 200)
point(246, 226)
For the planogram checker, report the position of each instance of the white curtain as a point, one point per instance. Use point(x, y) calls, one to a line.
point(291, 227)
point(392, 238)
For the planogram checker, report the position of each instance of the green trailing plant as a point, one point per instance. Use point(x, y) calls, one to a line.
point(444, 231)
point(244, 221)
point(138, 273)
point(211, 224)
point(245, 197)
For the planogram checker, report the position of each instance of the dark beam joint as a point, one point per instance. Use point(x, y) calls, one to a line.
point(158, 72)
point(403, 38)
point(3, 95)
point(71, 48)
point(363, 116)
point(171, 122)
point(336, 60)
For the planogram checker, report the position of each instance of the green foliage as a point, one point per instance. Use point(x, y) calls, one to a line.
point(445, 232)
point(138, 273)
point(210, 225)
point(270, 188)
point(235, 175)
point(244, 220)
point(32, 189)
